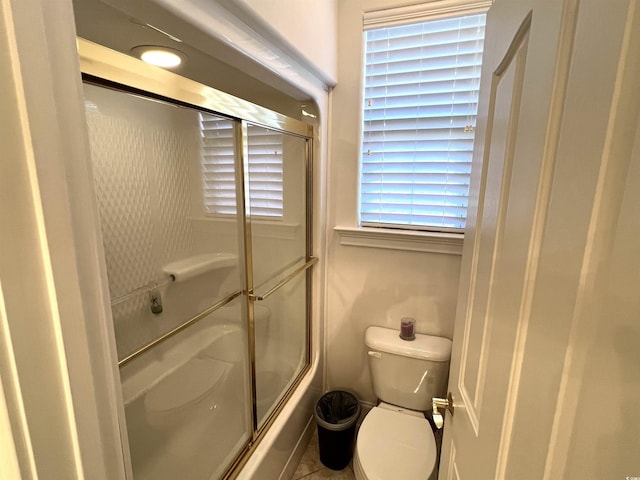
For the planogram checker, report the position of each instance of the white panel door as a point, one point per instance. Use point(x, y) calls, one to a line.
point(556, 129)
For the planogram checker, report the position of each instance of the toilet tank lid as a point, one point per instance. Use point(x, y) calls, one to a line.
point(425, 347)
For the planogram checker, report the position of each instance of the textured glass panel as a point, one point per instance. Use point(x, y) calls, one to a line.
point(281, 343)
point(277, 246)
point(278, 249)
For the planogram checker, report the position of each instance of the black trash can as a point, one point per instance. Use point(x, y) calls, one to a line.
point(336, 414)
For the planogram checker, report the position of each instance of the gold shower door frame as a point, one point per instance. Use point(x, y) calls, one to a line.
point(108, 68)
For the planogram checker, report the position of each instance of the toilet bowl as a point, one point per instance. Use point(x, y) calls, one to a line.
point(394, 443)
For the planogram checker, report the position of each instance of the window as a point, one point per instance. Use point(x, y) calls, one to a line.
point(218, 168)
point(420, 102)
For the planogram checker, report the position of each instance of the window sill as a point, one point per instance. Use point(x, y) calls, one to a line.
point(446, 243)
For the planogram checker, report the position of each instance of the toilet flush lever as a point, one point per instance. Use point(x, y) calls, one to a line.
point(446, 403)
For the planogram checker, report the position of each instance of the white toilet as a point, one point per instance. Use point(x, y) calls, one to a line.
point(395, 440)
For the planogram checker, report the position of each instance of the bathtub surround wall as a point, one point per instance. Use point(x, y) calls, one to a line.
point(371, 286)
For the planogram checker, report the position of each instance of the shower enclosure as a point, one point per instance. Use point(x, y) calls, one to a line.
point(204, 201)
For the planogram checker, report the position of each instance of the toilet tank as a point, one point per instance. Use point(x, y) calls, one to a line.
point(407, 373)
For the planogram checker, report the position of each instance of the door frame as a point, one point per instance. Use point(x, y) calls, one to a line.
point(59, 373)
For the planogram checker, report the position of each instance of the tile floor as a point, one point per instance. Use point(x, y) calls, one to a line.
point(310, 467)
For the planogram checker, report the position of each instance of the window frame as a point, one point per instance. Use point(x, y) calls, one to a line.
point(394, 238)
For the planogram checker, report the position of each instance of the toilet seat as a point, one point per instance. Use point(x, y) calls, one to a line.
point(393, 445)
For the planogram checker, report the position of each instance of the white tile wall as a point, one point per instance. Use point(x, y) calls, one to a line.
point(141, 154)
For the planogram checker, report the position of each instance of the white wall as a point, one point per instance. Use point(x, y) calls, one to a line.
point(370, 286)
point(308, 28)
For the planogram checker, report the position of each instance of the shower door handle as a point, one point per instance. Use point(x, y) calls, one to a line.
point(258, 298)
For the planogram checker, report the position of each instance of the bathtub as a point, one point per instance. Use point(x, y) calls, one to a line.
point(185, 417)
point(216, 349)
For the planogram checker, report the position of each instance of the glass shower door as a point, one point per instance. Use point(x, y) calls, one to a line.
point(203, 202)
point(277, 214)
point(162, 175)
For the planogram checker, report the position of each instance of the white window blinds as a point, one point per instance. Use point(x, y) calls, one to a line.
point(218, 168)
point(265, 172)
point(420, 102)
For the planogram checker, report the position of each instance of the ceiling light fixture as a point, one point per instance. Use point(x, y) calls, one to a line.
point(160, 56)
